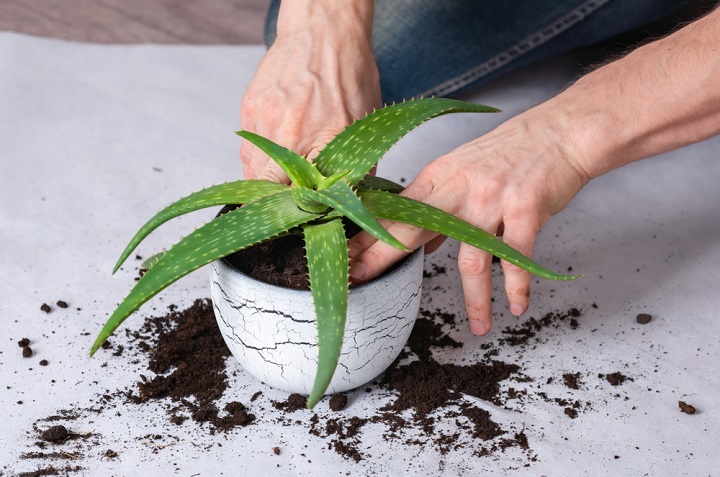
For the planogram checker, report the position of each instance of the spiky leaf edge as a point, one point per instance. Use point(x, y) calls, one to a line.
point(226, 234)
point(300, 171)
point(237, 192)
point(403, 209)
point(362, 144)
point(328, 265)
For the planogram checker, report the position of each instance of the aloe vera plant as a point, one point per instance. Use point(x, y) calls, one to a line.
point(335, 185)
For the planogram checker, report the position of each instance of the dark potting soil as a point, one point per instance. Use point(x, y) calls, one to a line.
point(294, 402)
point(279, 262)
point(643, 318)
point(528, 329)
point(572, 380)
point(338, 402)
point(282, 261)
point(686, 408)
point(55, 434)
point(431, 405)
point(188, 355)
point(616, 379)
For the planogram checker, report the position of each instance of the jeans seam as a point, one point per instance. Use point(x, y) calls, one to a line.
point(526, 45)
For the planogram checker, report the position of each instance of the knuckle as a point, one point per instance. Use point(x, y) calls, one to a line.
point(473, 264)
point(512, 269)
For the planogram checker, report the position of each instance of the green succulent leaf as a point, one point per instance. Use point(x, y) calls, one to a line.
point(218, 238)
point(341, 197)
point(238, 192)
point(300, 171)
point(328, 264)
point(307, 199)
point(328, 181)
point(402, 209)
point(361, 145)
point(378, 183)
point(148, 263)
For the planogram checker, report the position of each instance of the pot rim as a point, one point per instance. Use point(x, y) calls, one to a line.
point(401, 265)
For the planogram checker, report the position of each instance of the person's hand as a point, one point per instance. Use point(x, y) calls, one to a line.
point(318, 77)
point(508, 182)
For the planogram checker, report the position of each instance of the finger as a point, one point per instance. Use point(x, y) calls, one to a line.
point(272, 172)
point(519, 234)
point(475, 270)
point(252, 161)
point(363, 240)
point(379, 256)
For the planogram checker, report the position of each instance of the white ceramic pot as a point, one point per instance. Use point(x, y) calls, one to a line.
point(271, 330)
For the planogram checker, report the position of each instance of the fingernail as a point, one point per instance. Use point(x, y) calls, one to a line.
point(353, 249)
point(357, 271)
point(477, 328)
point(516, 309)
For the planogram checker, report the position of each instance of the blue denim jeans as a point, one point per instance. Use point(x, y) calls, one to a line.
point(443, 47)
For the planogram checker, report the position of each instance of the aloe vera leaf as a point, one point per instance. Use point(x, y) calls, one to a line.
point(148, 263)
point(379, 183)
point(402, 209)
point(300, 171)
point(328, 264)
point(341, 197)
point(218, 238)
point(361, 145)
point(238, 192)
point(307, 199)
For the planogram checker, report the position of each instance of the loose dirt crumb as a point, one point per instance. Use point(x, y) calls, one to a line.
point(616, 379)
point(686, 408)
point(643, 318)
point(55, 434)
point(338, 402)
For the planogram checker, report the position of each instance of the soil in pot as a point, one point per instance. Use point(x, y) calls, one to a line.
point(281, 261)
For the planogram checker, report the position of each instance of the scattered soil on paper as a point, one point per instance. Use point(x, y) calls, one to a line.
point(616, 379)
point(338, 402)
point(572, 380)
point(643, 318)
point(432, 405)
point(187, 354)
point(529, 328)
point(54, 434)
point(686, 408)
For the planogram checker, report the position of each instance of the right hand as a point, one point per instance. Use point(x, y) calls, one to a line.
point(318, 77)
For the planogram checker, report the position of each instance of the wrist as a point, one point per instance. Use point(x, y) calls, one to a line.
point(351, 17)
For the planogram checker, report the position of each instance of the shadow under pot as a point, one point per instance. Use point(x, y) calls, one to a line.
point(272, 331)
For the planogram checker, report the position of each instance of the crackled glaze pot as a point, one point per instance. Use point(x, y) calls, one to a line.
point(272, 332)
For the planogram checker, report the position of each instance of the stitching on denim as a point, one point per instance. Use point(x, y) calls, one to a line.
point(526, 45)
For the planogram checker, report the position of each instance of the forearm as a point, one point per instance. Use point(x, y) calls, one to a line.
point(662, 96)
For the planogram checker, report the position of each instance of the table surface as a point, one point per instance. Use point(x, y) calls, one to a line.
point(96, 138)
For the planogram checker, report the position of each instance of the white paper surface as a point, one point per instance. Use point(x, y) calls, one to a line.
point(96, 139)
